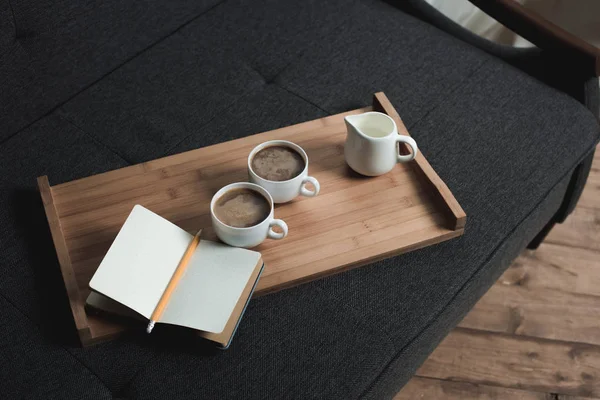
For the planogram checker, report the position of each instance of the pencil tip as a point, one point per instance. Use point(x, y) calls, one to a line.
point(150, 326)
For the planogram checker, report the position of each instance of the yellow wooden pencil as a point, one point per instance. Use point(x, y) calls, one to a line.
point(164, 299)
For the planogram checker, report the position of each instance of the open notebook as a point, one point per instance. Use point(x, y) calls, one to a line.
point(211, 296)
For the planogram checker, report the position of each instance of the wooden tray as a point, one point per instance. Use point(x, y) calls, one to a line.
point(354, 221)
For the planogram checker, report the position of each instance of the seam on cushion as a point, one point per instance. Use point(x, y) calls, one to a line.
point(302, 98)
point(126, 61)
point(440, 102)
point(59, 346)
point(15, 42)
point(12, 12)
point(237, 100)
point(299, 54)
point(125, 388)
point(474, 274)
point(62, 115)
point(217, 115)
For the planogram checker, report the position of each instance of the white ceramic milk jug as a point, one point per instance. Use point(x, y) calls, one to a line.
point(372, 143)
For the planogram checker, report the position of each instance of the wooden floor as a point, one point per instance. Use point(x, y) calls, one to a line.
point(536, 334)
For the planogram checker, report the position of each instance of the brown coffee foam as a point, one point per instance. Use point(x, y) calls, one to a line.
point(277, 163)
point(242, 208)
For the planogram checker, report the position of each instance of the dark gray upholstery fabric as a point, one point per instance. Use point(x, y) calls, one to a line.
point(60, 47)
point(32, 368)
point(97, 86)
point(7, 27)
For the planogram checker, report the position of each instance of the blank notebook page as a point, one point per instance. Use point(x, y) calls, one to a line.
point(211, 287)
point(140, 262)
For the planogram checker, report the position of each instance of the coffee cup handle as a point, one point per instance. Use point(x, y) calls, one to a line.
point(310, 193)
point(277, 235)
point(413, 146)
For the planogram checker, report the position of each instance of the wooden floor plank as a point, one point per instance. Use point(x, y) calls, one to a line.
point(552, 293)
point(556, 267)
point(580, 230)
point(582, 227)
point(543, 313)
point(510, 361)
point(426, 389)
point(590, 198)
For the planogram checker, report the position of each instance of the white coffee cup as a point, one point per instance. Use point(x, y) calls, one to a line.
point(372, 143)
point(253, 235)
point(284, 191)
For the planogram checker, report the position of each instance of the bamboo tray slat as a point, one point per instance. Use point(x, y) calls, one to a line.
point(354, 221)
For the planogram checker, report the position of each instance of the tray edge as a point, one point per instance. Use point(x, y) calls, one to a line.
point(459, 218)
point(64, 260)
